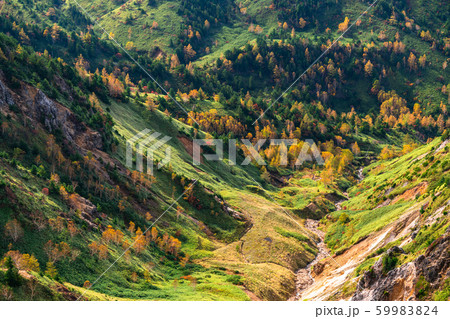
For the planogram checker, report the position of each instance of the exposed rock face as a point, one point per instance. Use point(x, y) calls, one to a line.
point(235, 214)
point(35, 105)
point(335, 197)
point(85, 207)
point(435, 263)
point(278, 180)
point(55, 116)
point(5, 96)
point(38, 108)
point(400, 283)
point(48, 111)
point(313, 211)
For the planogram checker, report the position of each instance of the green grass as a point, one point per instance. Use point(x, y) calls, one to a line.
point(387, 181)
point(444, 293)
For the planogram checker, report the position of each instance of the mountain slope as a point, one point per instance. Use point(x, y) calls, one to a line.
point(378, 247)
point(375, 106)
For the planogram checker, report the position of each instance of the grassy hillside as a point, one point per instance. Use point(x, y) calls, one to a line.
point(375, 106)
point(417, 180)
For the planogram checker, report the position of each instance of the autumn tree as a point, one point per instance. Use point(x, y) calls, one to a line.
point(368, 68)
point(355, 149)
point(6, 292)
point(344, 25)
point(154, 234)
point(39, 220)
point(108, 234)
point(408, 148)
point(93, 248)
point(51, 270)
point(412, 62)
point(24, 37)
point(72, 228)
point(423, 61)
point(32, 285)
point(174, 61)
point(302, 23)
point(189, 52)
point(345, 128)
point(387, 153)
point(13, 230)
point(132, 227)
point(130, 46)
point(102, 252)
point(139, 241)
point(57, 251)
point(30, 263)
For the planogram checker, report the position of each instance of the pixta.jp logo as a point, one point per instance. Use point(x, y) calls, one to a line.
point(308, 152)
point(147, 141)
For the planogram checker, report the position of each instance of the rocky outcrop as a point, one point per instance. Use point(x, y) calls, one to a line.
point(5, 96)
point(47, 110)
point(38, 108)
point(235, 214)
point(277, 180)
point(55, 116)
point(88, 211)
point(435, 263)
point(335, 197)
point(401, 283)
point(317, 209)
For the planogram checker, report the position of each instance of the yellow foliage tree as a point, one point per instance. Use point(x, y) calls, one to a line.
point(344, 25)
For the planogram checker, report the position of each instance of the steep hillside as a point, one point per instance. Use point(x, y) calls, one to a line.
point(46, 183)
point(78, 79)
point(390, 239)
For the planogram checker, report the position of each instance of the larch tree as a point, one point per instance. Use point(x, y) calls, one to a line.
point(189, 52)
point(174, 61)
point(368, 68)
point(13, 230)
point(132, 227)
point(344, 25)
point(51, 270)
point(423, 61)
point(412, 62)
point(302, 23)
point(355, 149)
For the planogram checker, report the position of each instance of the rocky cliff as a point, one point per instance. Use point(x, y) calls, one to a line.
point(39, 109)
point(410, 281)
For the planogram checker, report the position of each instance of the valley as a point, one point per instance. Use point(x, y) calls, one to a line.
point(332, 183)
